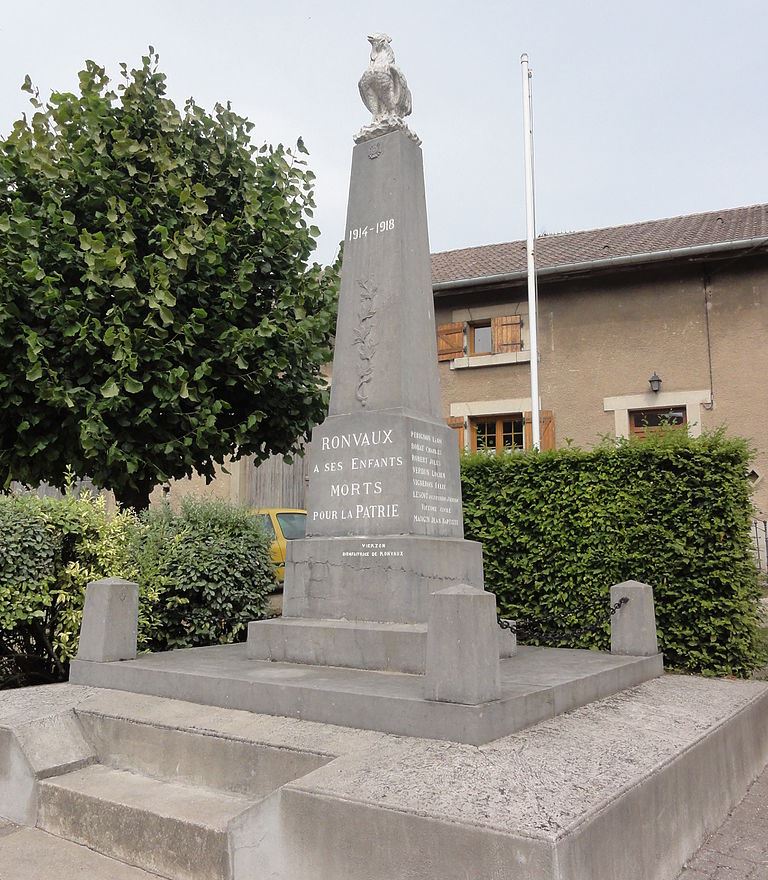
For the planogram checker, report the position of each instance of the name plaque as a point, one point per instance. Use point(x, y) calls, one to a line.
point(398, 475)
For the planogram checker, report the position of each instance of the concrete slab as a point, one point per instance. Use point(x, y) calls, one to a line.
point(220, 761)
point(271, 731)
point(175, 830)
point(39, 737)
point(31, 854)
point(535, 684)
point(667, 759)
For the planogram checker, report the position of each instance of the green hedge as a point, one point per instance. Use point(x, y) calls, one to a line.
point(559, 528)
point(203, 573)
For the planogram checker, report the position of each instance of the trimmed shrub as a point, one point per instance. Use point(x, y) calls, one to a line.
point(202, 573)
point(209, 564)
point(27, 553)
point(559, 528)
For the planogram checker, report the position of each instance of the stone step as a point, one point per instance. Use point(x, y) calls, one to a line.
point(32, 854)
point(357, 644)
point(174, 830)
point(168, 741)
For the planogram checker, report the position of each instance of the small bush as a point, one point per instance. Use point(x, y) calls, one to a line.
point(209, 564)
point(559, 528)
point(202, 573)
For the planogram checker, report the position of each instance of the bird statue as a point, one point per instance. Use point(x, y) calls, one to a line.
point(384, 91)
point(383, 87)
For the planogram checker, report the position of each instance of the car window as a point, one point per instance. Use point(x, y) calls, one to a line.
point(266, 523)
point(293, 525)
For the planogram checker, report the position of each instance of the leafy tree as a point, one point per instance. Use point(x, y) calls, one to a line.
point(158, 311)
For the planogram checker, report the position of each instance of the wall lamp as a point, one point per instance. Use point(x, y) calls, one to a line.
point(655, 382)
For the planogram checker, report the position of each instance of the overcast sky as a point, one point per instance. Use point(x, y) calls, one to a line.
point(642, 109)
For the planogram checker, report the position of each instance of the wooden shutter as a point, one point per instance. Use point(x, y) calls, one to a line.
point(450, 341)
point(546, 430)
point(457, 423)
point(527, 431)
point(505, 334)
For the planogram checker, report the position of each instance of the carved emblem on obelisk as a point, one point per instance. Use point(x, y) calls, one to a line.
point(385, 92)
point(363, 339)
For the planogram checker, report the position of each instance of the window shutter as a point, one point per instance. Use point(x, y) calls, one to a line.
point(546, 430)
point(450, 341)
point(505, 333)
point(457, 423)
point(527, 431)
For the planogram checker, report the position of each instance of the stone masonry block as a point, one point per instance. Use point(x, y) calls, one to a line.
point(110, 621)
point(462, 647)
point(507, 643)
point(633, 626)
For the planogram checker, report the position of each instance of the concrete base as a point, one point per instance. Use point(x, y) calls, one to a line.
point(537, 683)
point(625, 788)
point(375, 579)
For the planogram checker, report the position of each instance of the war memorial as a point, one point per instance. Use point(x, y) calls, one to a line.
point(385, 727)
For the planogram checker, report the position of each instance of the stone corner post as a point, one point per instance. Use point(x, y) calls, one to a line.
point(633, 625)
point(110, 621)
point(462, 646)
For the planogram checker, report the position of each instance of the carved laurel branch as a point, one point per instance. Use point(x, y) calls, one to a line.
point(363, 338)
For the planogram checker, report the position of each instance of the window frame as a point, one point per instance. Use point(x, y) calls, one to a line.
point(471, 329)
point(693, 401)
point(643, 430)
point(498, 421)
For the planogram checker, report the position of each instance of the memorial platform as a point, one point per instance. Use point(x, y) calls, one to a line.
point(536, 684)
point(112, 785)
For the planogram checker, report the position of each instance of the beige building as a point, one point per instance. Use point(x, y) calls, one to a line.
point(684, 299)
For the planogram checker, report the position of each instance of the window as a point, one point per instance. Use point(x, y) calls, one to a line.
point(689, 401)
point(500, 335)
point(266, 523)
point(641, 421)
point(498, 434)
point(480, 339)
point(292, 525)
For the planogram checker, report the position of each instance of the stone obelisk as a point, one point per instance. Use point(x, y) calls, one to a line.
point(384, 515)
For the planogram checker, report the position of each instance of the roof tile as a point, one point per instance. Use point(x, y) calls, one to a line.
point(653, 236)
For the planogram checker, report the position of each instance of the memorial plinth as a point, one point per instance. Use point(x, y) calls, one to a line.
point(384, 515)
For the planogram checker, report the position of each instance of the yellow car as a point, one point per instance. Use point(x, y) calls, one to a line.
point(282, 524)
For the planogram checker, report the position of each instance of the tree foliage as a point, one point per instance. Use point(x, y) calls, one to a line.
point(158, 311)
point(559, 528)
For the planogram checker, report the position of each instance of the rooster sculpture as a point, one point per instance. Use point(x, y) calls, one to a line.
point(384, 91)
point(383, 87)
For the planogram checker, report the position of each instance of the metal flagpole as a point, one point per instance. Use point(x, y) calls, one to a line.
point(530, 222)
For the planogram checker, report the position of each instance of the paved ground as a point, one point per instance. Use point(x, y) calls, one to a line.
point(738, 850)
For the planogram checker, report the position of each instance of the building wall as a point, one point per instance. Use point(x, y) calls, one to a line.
point(603, 337)
point(223, 487)
point(274, 483)
point(599, 338)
